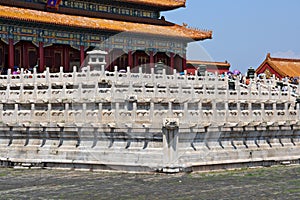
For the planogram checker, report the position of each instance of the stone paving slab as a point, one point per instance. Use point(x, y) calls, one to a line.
point(263, 183)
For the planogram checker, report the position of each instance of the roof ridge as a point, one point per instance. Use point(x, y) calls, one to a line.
point(285, 59)
point(282, 59)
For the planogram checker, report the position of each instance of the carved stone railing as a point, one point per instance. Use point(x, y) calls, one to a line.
point(137, 99)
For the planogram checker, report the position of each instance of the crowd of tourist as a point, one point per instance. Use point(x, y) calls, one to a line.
point(16, 70)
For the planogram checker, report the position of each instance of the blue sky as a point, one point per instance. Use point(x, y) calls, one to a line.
point(244, 31)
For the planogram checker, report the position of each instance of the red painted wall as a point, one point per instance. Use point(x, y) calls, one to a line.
point(267, 66)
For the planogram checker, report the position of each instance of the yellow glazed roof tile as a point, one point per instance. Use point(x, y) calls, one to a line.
point(287, 67)
point(101, 24)
point(199, 62)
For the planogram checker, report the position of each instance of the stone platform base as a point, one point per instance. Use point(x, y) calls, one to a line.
point(169, 149)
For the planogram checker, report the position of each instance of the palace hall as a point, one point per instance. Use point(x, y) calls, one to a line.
point(55, 33)
point(280, 67)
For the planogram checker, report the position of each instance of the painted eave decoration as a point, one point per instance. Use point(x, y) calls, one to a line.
point(53, 4)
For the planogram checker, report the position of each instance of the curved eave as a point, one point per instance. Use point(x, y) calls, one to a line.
point(199, 62)
point(35, 16)
point(160, 4)
point(201, 36)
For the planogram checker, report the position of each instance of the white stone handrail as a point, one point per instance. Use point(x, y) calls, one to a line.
point(198, 100)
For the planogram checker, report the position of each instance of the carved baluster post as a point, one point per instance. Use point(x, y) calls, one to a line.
point(170, 143)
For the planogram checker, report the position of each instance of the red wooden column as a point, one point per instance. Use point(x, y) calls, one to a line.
point(41, 57)
point(172, 55)
point(66, 59)
point(151, 59)
point(130, 59)
point(135, 60)
point(11, 54)
point(184, 62)
point(81, 56)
